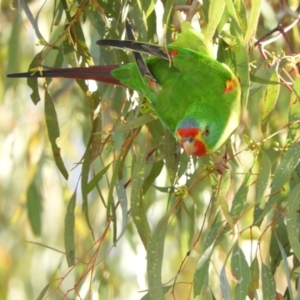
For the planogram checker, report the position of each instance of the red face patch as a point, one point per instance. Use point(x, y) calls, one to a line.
point(230, 85)
point(173, 53)
point(195, 145)
point(188, 132)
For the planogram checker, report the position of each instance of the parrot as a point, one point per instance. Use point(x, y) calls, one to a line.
point(196, 97)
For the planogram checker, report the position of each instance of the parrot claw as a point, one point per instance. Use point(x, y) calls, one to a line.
point(190, 10)
point(220, 164)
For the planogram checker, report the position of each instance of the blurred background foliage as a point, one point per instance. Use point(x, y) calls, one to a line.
point(97, 202)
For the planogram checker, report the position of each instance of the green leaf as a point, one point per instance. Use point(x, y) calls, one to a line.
point(294, 112)
point(43, 292)
point(69, 238)
point(278, 233)
point(92, 184)
point(53, 133)
point(253, 20)
point(165, 290)
point(286, 269)
point(270, 99)
point(240, 197)
point(225, 288)
point(201, 275)
point(292, 223)
point(123, 200)
point(287, 165)
point(167, 12)
point(268, 283)
point(138, 212)
point(33, 82)
point(155, 252)
point(263, 176)
point(134, 123)
point(241, 56)
point(254, 281)
point(171, 157)
point(258, 79)
point(153, 174)
point(84, 187)
point(241, 271)
point(215, 13)
point(283, 172)
point(34, 208)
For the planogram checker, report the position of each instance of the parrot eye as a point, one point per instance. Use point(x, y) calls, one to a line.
point(191, 140)
point(206, 131)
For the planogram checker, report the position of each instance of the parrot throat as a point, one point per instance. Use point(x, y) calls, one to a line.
point(190, 140)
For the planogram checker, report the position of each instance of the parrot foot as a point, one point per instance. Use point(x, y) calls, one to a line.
point(220, 163)
point(190, 10)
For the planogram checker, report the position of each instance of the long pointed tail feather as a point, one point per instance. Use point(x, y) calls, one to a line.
point(141, 64)
point(98, 73)
point(135, 46)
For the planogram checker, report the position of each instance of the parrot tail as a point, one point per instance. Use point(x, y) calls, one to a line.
point(135, 46)
point(98, 73)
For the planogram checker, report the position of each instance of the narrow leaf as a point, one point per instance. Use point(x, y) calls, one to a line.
point(138, 212)
point(155, 252)
point(134, 123)
point(53, 132)
point(254, 281)
point(270, 99)
point(91, 185)
point(215, 13)
point(292, 205)
point(201, 275)
point(34, 208)
point(33, 82)
point(43, 292)
point(288, 163)
point(69, 238)
point(225, 288)
point(263, 176)
point(253, 20)
point(286, 265)
point(294, 112)
point(268, 283)
point(84, 187)
point(240, 197)
point(241, 271)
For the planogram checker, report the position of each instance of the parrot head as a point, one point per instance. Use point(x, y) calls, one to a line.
point(190, 137)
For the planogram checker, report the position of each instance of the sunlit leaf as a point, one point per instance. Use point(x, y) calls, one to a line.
point(216, 10)
point(270, 100)
point(253, 20)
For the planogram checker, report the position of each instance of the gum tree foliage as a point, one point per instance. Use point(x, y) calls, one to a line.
point(94, 182)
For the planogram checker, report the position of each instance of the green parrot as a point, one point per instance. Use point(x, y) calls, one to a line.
point(196, 97)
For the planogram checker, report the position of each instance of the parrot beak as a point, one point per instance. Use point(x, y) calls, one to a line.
point(188, 144)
